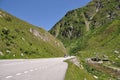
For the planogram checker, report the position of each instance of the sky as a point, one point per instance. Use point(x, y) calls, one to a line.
point(41, 13)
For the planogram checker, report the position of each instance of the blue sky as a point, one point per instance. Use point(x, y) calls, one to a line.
point(41, 13)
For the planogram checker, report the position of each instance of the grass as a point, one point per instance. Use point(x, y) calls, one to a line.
point(71, 29)
point(16, 39)
point(101, 72)
point(76, 73)
point(103, 39)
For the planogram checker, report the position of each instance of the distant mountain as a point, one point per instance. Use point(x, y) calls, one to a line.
point(19, 39)
point(92, 31)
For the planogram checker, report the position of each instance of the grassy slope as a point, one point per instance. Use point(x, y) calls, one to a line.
point(72, 27)
point(17, 40)
point(103, 41)
point(103, 38)
point(75, 73)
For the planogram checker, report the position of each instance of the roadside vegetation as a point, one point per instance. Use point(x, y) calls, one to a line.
point(76, 73)
point(93, 33)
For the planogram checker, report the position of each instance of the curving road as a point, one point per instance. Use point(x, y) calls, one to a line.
point(33, 69)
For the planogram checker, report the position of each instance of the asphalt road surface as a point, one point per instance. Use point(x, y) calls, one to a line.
point(33, 69)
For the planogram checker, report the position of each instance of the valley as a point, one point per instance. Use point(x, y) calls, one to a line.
point(91, 33)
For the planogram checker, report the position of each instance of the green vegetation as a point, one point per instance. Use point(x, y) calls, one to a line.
point(76, 73)
point(93, 31)
point(19, 39)
point(100, 72)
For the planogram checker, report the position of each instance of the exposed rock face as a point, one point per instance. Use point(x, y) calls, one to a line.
point(117, 52)
point(2, 14)
point(38, 34)
point(1, 53)
point(47, 38)
point(75, 61)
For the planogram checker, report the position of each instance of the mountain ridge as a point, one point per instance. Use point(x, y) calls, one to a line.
point(20, 39)
point(92, 33)
point(78, 22)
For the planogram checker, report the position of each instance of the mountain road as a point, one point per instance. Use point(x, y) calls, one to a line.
point(33, 69)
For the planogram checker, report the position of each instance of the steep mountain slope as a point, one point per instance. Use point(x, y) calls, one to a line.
point(19, 39)
point(80, 22)
point(93, 31)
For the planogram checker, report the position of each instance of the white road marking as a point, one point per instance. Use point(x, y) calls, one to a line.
point(18, 74)
point(25, 72)
point(31, 70)
point(9, 77)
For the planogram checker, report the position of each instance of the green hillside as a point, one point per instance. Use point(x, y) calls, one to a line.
point(93, 32)
point(94, 26)
point(19, 39)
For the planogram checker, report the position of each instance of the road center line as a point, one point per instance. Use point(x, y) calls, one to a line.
point(18, 74)
point(31, 70)
point(25, 71)
point(9, 77)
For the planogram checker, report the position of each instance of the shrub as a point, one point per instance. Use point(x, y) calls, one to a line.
point(8, 18)
point(5, 31)
point(8, 44)
point(17, 30)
